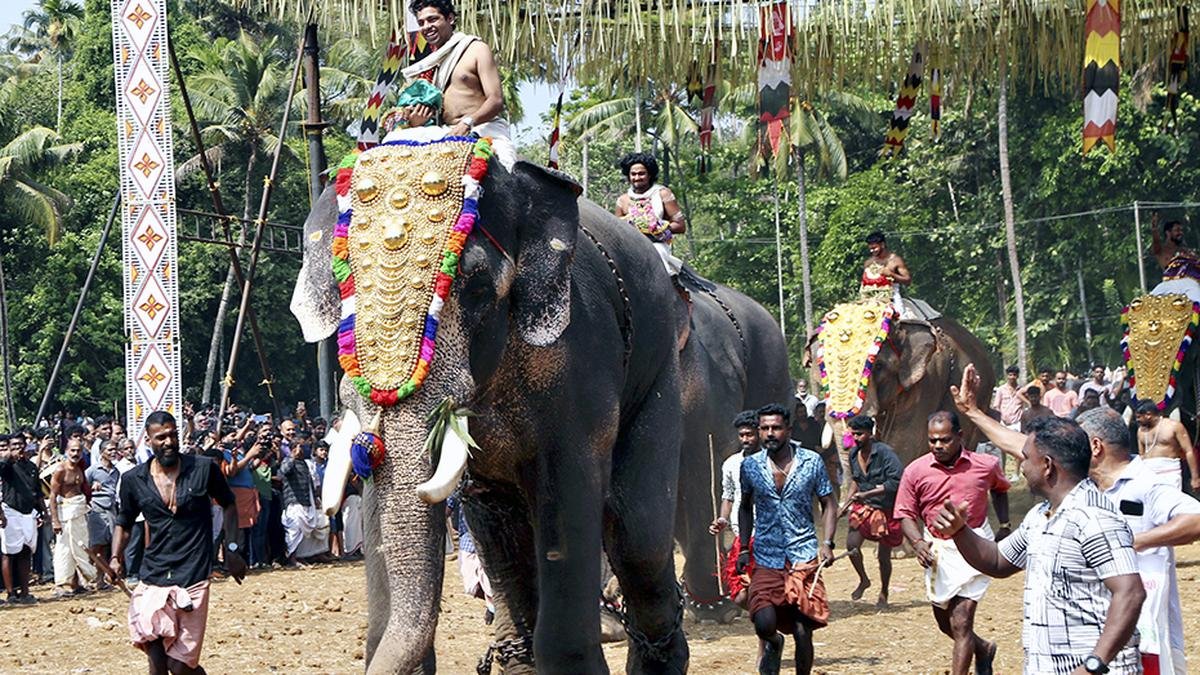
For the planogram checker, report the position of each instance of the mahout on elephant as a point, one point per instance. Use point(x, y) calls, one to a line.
point(558, 333)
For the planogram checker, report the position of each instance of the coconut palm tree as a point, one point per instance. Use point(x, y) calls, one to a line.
point(30, 201)
point(238, 93)
point(59, 23)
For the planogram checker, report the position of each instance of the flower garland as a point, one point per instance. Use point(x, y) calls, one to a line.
point(1176, 367)
point(367, 451)
point(885, 327)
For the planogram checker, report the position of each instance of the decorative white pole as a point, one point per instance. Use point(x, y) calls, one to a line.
point(145, 149)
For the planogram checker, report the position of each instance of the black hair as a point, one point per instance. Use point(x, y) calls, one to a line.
point(4, 438)
point(775, 409)
point(876, 237)
point(103, 419)
point(746, 418)
point(43, 432)
point(75, 429)
point(159, 417)
point(946, 416)
point(861, 423)
point(1147, 406)
point(445, 7)
point(1013, 369)
point(1166, 227)
point(645, 159)
point(1065, 442)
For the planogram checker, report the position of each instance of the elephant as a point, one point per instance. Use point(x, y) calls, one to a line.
point(915, 366)
point(1159, 328)
point(734, 360)
point(559, 334)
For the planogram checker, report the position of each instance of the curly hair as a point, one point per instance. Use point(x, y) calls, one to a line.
point(444, 6)
point(645, 159)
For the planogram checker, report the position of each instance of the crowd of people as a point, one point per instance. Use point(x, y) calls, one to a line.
point(62, 482)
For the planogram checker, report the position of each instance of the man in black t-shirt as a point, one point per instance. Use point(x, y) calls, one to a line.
point(20, 517)
point(173, 492)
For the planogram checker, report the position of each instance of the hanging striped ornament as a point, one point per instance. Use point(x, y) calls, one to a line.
point(708, 111)
point(1177, 62)
point(906, 102)
point(774, 75)
point(935, 101)
point(1101, 73)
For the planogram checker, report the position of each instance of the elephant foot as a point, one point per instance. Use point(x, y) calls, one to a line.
point(667, 656)
point(722, 611)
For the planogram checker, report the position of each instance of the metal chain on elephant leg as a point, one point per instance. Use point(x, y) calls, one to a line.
point(512, 650)
point(627, 305)
point(655, 650)
point(703, 287)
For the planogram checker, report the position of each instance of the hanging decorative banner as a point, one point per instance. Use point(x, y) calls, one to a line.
point(906, 102)
point(418, 46)
point(1177, 62)
point(774, 75)
point(554, 133)
point(147, 169)
point(1101, 73)
point(935, 101)
point(368, 127)
point(707, 112)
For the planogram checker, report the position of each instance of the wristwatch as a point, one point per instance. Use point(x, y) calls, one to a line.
point(1093, 664)
point(830, 544)
point(232, 547)
point(469, 121)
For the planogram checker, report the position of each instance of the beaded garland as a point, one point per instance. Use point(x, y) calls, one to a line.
point(1176, 366)
point(367, 450)
point(880, 336)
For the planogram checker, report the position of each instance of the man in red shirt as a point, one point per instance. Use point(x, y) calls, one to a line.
point(953, 587)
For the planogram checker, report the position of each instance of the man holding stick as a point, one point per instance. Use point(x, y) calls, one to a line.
point(173, 492)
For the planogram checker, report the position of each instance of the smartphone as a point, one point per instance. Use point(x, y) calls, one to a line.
point(259, 419)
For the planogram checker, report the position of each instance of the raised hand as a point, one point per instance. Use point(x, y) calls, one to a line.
point(965, 395)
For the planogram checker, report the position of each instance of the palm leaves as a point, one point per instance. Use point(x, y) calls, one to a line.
point(35, 149)
point(669, 121)
point(56, 23)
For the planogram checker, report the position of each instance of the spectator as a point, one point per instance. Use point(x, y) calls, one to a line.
point(101, 518)
point(20, 511)
point(1008, 401)
point(69, 497)
point(805, 398)
point(1061, 399)
point(1036, 410)
point(299, 514)
point(259, 548)
point(237, 464)
point(1097, 384)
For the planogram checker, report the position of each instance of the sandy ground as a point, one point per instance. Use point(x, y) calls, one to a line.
point(313, 621)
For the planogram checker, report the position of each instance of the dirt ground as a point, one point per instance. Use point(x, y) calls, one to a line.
point(313, 621)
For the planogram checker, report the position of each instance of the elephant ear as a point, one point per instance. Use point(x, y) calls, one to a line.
point(547, 231)
point(316, 302)
point(920, 344)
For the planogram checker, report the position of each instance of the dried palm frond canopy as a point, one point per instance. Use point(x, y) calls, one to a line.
point(837, 41)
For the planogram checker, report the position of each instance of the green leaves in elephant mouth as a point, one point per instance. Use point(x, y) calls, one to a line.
point(405, 212)
point(847, 343)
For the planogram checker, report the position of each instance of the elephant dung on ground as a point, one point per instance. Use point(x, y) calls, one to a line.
point(559, 335)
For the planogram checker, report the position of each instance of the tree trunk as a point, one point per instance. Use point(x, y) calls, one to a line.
point(805, 271)
point(1010, 231)
point(58, 122)
point(10, 415)
point(218, 332)
point(637, 119)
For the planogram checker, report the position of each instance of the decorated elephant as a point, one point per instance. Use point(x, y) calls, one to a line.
point(734, 360)
point(897, 370)
point(556, 326)
point(1160, 354)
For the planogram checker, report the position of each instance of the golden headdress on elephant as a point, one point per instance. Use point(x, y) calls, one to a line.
point(1158, 334)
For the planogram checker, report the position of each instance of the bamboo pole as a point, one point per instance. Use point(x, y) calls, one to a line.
point(87, 284)
point(712, 484)
point(779, 264)
point(214, 191)
point(1137, 233)
point(260, 226)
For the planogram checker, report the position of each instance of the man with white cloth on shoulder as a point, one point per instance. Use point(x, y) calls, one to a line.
point(953, 586)
point(465, 97)
point(651, 207)
point(299, 503)
point(70, 496)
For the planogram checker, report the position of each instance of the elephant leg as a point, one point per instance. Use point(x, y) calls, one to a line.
point(693, 515)
point(638, 524)
point(568, 546)
point(500, 523)
point(378, 594)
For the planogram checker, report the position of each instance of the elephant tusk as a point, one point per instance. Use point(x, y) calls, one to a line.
point(1175, 415)
point(826, 435)
point(337, 468)
point(449, 471)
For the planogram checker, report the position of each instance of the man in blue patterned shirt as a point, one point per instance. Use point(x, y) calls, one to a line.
point(779, 485)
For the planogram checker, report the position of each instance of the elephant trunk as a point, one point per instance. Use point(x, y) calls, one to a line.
point(412, 535)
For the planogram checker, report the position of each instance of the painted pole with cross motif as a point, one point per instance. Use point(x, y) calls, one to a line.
point(148, 234)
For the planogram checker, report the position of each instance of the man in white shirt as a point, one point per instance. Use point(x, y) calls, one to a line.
point(1160, 517)
point(1098, 385)
point(746, 424)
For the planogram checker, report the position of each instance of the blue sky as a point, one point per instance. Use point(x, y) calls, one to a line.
point(538, 97)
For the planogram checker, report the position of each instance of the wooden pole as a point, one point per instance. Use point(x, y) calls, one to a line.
point(1137, 233)
point(260, 226)
point(712, 484)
